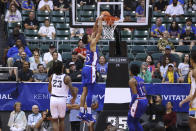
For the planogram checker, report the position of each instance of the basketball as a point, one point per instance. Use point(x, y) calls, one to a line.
point(105, 13)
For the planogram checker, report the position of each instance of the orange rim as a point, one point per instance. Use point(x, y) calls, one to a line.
point(110, 19)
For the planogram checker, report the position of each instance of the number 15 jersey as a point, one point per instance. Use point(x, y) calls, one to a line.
point(59, 88)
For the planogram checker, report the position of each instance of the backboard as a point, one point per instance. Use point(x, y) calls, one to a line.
point(84, 15)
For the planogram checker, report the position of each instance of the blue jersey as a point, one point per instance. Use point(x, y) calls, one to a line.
point(140, 87)
point(91, 57)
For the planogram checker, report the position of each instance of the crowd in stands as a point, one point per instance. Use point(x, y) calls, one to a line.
point(36, 65)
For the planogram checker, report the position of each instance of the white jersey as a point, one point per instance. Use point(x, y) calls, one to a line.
point(59, 88)
point(193, 88)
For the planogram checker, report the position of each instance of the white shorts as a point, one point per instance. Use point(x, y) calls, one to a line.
point(57, 107)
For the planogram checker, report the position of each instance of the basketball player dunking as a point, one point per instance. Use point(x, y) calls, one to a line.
point(192, 95)
point(139, 101)
point(88, 71)
point(59, 85)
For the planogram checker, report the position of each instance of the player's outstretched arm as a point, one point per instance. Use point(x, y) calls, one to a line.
point(68, 82)
point(50, 84)
point(98, 35)
point(132, 85)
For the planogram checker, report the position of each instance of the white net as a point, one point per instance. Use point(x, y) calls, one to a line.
point(108, 30)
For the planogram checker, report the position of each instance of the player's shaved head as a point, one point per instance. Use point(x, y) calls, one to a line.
point(135, 69)
point(57, 67)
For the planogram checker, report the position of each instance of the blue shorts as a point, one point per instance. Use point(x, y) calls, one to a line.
point(138, 108)
point(88, 75)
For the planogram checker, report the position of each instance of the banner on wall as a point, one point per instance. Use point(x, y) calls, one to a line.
point(37, 93)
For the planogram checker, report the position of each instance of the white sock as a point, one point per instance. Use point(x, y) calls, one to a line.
point(89, 110)
point(82, 109)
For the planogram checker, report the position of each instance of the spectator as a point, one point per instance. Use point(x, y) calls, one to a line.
point(35, 61)
point(187, 38)
point(48, 56)
point(170, 76)
point(18, 63)
point(44, 123)
point(190, 6)
point(183, 68)
point(156, 111)
point(40, 76)
point(14, 2)
point(102, 69)
point(33, 118)
point(61, 5)
point(13, 52)
point(75, 75)
point(74, 58)
point(151, 66)
point(189, 24)
point(31, 23)
point(76, 32)
point(15, 36)
point(74, 110)
point(181, 2)
point(158, 29)
point(174, 10)
point(164, 66)
point(160, 5)
point(145, 73)
point(170, 118)
point(17, 120)
point(19, 55)
point(45, 5)
point(25, 74)
point(174, 30)
point(28, 5)
point(54, 58)
point(13, 15)
point(81, 50)
point(47, 31)
point(162, 43)
point(140, 10)
point(169, 55)
point(157, 73)
point(130, 5)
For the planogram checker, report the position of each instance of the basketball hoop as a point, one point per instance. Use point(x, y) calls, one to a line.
point(109, 24)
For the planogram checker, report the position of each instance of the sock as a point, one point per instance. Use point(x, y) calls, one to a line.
point(89, 110)
point(82, 109)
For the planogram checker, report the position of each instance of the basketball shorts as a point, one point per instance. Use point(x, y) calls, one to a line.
point(138, 108)
point(57, 107)
point(88, 75)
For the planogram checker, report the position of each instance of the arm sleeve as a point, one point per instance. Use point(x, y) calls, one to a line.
point(40, 30)
point(24, 119)
point(9, 52)
point(19, 15)
point(7, 16)
point(59, 57)
point(51, 5)
point(10, 122)
point(29, 54)
point(167, 10)
point(40, 5)
point(181, 10)
point(29, 122)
